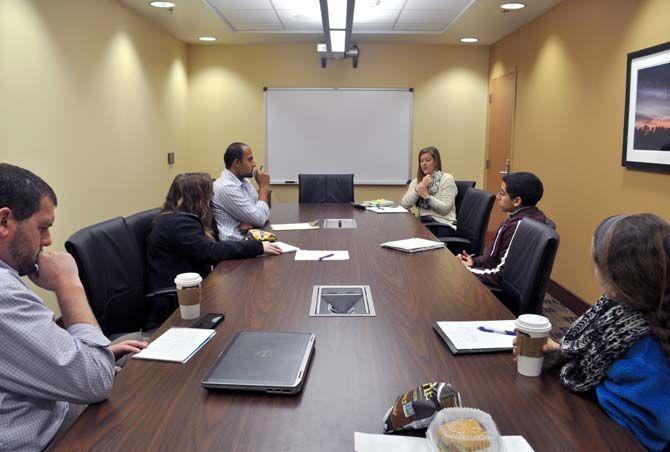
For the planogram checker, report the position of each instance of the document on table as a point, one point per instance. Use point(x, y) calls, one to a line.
point(413, 245)
point(312, 255)
point(176, 344)
point(466, 337)
point(369, 442)
point(285, 247)
point(396, 209)
point(293, 226)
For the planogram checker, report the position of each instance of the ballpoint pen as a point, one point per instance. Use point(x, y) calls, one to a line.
point(326, 256)
point(496, 330)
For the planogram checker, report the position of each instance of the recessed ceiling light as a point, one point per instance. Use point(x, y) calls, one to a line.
point(469, 40)
point(207, 38)
point(513, 5)
point(162, 4)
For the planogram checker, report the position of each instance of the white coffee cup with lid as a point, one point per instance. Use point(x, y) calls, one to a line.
point(189, 294)
point(532, 332)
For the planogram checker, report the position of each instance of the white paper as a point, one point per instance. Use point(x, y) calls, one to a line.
point(368, 442)
point(176, 344)
point(292, 226)
point(413, 244)
point(313, 255)
point(285, 247)
point(468, 336)
point(396, 209)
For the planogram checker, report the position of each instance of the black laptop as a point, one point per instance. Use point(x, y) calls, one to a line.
point(263, 361)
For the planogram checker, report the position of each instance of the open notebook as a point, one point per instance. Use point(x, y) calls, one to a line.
point(176, 344)
point(413, 245)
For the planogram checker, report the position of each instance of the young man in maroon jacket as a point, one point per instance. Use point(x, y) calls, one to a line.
point(518, 195)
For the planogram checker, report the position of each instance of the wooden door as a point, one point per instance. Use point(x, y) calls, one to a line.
point(501, 127)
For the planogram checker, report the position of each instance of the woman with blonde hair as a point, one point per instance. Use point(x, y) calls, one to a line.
point(433, 192)
point(182, 239)
point(619, 350)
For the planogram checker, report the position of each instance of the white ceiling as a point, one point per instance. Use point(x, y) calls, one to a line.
point(375, 21)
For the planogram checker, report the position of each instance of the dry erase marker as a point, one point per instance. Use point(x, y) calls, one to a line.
point(326, 256)
point(496, 330)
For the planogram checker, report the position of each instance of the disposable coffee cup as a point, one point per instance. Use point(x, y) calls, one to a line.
point(189, 294)
point(532, 332)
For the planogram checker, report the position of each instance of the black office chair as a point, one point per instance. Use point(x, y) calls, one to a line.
point(472, 222)
point(140, 225)
point(112, 270)
point(462, 186)
point(325, 188)
point(528, 267)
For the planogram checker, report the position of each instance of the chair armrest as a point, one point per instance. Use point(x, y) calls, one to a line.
point(162, 292)
point(454, 240)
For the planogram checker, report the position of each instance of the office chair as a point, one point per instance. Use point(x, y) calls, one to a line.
point(528, 267)
point(462, 186)
point(472, 222)
point(140, 225)
point(112, 270)
point(325, 188)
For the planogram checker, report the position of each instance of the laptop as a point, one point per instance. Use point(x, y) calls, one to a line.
point(263, 361)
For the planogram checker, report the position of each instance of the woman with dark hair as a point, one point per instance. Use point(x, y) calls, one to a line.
point(433, 192)
point(619, 350)
point(182, 240)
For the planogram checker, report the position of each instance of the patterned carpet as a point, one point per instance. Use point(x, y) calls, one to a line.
point(560, 317)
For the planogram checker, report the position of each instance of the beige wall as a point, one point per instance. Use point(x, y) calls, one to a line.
point(226, 101)
point(92, 97)
point(571, 82)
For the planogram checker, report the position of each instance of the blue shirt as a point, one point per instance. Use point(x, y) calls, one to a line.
point(43, 366)
point(636, 393)
point(236, 201)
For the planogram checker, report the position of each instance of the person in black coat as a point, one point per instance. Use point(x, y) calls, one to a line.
point(182, 240)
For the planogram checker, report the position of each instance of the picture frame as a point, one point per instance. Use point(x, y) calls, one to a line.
point(646, 131)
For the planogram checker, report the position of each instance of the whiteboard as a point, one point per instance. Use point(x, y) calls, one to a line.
point(367, 132)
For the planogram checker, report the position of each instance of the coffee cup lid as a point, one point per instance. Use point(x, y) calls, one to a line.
point(533, 323)
point(188, 279)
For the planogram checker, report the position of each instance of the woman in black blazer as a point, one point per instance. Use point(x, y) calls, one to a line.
point(182, 240)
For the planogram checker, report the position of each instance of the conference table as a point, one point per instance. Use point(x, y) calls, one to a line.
point(360, 364)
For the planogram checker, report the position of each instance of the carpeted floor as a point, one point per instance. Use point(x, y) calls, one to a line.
point(560, 317)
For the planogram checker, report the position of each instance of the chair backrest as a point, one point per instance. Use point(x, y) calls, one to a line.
point(326, 188)
point(474, 217)
point(140, 225)
point(462, 186)
point(112, 272)
point(528, 266)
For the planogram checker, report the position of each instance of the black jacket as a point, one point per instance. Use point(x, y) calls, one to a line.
point(177, 244)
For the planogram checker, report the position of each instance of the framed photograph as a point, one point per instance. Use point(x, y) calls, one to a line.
point(646, 130)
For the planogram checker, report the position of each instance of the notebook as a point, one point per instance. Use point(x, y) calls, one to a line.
point(176, 345)
point(466, 337)
point(263, 361)
point(413, 245)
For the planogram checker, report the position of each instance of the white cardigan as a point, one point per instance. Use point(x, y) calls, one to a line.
point(442, 204)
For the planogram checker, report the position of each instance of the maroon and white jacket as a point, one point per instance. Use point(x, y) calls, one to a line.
point(489, 267)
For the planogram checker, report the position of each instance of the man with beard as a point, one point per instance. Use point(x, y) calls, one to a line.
point(44, 368)
point(237, 206)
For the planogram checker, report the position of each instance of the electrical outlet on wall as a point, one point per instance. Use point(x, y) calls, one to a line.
point(170, 158)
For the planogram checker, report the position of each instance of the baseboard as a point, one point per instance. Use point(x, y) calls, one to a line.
point(567, 298)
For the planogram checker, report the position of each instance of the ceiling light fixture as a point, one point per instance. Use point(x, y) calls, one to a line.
point(512, 5)
point(469, 40)
point(206, 38)
point(168, 5)
point(337, 17)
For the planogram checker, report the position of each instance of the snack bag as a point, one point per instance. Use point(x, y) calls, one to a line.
point(261, 235)
point(416, 408)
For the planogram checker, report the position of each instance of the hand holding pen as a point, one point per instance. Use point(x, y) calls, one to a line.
point(466, 258)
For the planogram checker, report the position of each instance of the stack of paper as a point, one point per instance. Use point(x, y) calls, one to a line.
point(294, 226)
point(466, 337)
point(313, 255)
point(368, 442)
point(285, 247)
point(176, 344)
point(413, 245)
point(396, 209)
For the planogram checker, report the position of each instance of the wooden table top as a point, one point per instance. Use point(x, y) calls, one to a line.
point(359, 367)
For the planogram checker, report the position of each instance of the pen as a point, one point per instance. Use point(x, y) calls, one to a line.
point(139, 335)
point(326, 256)
point(496, 330)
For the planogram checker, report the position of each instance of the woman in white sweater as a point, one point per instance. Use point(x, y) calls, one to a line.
point(433, 192)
